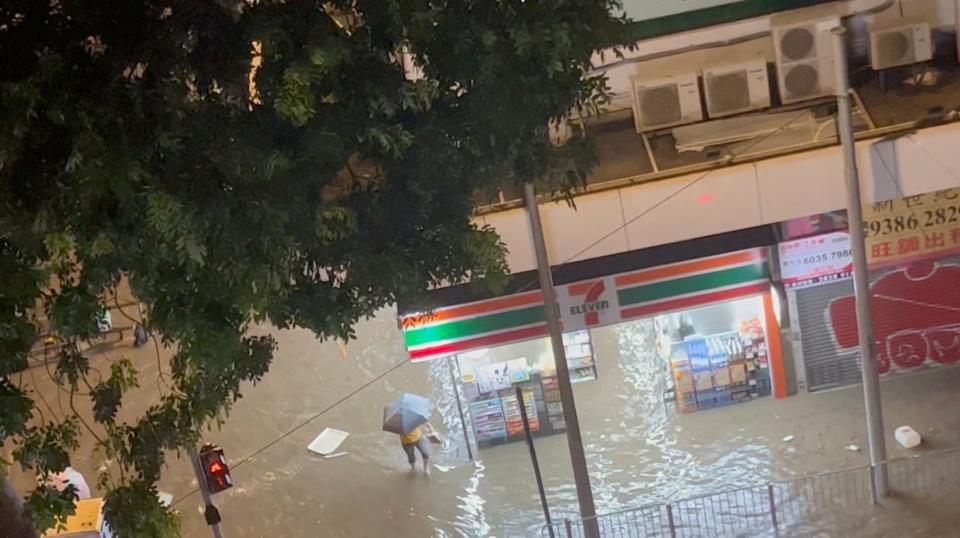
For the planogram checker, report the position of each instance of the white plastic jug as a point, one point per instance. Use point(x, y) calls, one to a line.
point(907, 437)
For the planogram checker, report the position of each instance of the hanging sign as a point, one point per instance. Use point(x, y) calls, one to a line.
point(912, 228)
point(596, 302)
point(592, 303)
point(817, 259)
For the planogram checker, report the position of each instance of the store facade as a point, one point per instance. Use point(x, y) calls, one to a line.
point(913, 250)
point(717, 339)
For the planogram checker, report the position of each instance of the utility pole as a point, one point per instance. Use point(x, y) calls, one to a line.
point(861, 276)
point(581, 475)
point(210, 512)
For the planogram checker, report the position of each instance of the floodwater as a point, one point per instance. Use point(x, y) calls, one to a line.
point(639, 450)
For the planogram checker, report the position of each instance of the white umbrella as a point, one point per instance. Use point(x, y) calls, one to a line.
point(406, 414)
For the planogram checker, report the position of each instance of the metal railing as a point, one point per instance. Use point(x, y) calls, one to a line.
point(779, 505)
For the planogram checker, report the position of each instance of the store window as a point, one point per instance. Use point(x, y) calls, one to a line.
point(716, 355)
point(490, 377)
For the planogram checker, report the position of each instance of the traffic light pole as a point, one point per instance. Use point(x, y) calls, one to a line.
point(210, 512)
point(581, 475)
point(861, 278)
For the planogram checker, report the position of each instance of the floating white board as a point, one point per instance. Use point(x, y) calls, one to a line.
point(327, 442)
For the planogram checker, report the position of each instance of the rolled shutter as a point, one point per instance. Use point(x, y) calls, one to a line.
point(825, 366)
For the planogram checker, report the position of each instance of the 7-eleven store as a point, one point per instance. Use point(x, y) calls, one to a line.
point(710, 323)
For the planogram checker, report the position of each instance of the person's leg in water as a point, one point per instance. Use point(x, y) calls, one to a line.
point(411, 455)
point(423, 445)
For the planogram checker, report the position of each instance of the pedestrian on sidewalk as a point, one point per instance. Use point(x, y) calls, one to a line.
point(417, 440)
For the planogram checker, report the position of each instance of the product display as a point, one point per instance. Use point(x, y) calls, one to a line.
point(511, 412)
point(579, 353)
point(488, 423)
point(551, 396)
point(720, 369)
point(490, 388)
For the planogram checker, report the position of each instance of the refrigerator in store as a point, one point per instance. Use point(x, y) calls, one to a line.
point(580, 360)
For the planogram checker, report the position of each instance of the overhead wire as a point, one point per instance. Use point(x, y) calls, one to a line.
point(754, 143)
point(731, 157)
point(317, 415)
point(302, 424)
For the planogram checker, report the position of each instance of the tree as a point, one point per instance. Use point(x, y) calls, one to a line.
point(254, 162)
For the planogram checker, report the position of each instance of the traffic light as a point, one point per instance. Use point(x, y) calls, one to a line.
point(215, 469)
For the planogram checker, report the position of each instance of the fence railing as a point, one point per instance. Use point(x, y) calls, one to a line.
point(776, 506)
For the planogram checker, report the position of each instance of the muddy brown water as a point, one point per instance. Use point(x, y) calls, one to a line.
point(639, 450)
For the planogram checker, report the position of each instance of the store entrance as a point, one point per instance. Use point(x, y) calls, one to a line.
point(715, 355)
point(700, 358)
point(489, 379)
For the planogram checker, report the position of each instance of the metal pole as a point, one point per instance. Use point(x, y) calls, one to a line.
point(456, 395)
point(670, 522)
point(210, 512)
point(773, 507)
point(581, 475)
point(861, 278)
point(533, 458)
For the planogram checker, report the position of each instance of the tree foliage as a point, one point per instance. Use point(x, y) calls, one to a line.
point(260, 161)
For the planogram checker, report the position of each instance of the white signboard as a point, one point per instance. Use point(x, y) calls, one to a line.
point(588, 304)
point(816, 259)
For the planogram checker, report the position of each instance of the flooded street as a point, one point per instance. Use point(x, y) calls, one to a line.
point(639, 449)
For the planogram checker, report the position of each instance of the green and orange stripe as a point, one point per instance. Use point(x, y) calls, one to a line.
point(690, 284)
point(515, 318)
point(474, 325)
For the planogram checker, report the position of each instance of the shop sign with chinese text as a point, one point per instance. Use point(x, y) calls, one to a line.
point(912, 228)
point(817, 259)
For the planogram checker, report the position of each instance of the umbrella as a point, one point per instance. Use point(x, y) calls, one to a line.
point(406, 414)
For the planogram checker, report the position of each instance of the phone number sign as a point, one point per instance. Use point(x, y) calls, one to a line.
point(915, 227)
point(813, 260)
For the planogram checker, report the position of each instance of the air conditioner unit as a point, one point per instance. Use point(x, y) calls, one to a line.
point(901, 45)
point(804, 53)
point(658, 104)
point(732, 89)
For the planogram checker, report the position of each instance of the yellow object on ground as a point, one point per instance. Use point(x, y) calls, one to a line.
point(85, 523)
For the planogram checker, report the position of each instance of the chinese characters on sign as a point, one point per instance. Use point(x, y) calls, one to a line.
point(915, 227)
point(812, 260)
point(897, 232)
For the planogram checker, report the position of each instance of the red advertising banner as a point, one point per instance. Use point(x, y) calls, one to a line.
point(916, 317)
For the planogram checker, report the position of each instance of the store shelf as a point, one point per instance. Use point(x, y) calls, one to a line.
point(488, 420)
point(513, 417)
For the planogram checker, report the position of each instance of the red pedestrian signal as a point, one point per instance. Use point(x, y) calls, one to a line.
point(215, 469)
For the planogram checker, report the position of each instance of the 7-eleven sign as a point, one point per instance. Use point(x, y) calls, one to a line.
point(588, 304)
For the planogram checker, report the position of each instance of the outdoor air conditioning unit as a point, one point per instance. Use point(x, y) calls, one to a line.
point(804, 52)
point(658, 104)
point(732, 89)
point(901, 45)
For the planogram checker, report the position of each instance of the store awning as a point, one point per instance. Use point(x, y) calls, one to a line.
point(595, 302)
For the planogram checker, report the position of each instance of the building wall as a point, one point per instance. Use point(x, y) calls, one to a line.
point(708, 39)
point(733, 198)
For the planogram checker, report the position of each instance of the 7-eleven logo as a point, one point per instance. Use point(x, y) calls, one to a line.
point(587, 302)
